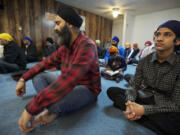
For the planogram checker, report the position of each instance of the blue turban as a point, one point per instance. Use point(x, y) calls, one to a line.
point(173, 25)
point(27, 38)
point(116, 38)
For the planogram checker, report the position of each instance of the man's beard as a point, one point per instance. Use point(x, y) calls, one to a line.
point(114, 45)
point(65, 36)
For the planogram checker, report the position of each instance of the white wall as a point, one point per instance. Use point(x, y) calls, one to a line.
point(146, 24)
point(117, 29)
point(128, 28)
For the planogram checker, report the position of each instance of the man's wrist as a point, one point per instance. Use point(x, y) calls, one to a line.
point(21, 80)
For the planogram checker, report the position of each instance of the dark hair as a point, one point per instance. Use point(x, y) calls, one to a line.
point(49, 39)
point(112, 53)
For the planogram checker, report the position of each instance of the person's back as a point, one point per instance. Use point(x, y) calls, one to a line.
point(101, 50)
point(13, 54)
point(48, 48)
point(13, 59)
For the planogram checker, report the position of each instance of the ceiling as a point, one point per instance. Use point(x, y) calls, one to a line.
point(134, 7)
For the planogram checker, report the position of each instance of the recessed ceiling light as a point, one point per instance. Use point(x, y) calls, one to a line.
point(115, 12)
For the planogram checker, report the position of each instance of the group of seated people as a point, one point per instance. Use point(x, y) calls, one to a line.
point(117, 58)
point(13, 58)
point(130, 54)
point(153, 99)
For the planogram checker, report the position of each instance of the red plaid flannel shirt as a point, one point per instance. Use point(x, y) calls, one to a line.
point(79, 66)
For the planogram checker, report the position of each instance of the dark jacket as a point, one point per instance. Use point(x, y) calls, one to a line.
point(101, 52)
point(117, 63)
point(14, 54)
point(127, 52)
point(48, 50)
point(135, 52)
point(177, 49)
point(30, 52)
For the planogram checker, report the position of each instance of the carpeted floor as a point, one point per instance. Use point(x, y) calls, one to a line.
point(98, 119)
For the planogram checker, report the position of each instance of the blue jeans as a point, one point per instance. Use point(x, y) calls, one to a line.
point(79, 97)
point(6, 67)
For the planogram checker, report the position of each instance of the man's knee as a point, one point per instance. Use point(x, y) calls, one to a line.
point(111, 92)
point(37, 77)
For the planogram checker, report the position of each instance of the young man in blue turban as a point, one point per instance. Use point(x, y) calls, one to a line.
point(154, 100)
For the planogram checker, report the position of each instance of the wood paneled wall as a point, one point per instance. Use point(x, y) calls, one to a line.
point(22, 18)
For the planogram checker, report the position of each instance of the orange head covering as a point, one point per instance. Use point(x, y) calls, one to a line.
point(135, 45)
point(109, 39)
point(113, 49)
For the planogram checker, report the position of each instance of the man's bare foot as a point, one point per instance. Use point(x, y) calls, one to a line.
point(45, 117)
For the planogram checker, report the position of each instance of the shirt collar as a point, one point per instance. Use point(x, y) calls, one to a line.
point(171, 59)
point(73, 46)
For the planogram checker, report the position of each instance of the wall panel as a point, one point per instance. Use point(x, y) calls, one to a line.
point(26, 18)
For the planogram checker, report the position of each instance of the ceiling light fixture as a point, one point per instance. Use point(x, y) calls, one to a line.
point(115, 12)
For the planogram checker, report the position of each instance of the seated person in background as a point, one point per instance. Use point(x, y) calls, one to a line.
point(154, 100)
point(146, 44)
point(79, 83)
point(29, 50)
point(107, 43)
point(114, 42)
point(127, 49)
point(101, 50)
point(14, 59)
point(147, 50)
point(48, 48)
point(133, 57)
point(115, 67)
point(177, 49)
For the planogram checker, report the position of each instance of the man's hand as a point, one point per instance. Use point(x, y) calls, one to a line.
point(20, 87)
point(108, 68)
point(25, 119)
point(137, 109)
point(134, 111)
point(129, 110)
point(120, 70)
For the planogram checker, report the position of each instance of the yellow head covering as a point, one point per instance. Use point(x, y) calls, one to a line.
point(6, 36)
point(128, 44)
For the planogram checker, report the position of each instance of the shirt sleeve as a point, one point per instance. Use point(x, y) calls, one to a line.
point(132, 94)
point(48, 63)
point(86, 55)
point(167, 104)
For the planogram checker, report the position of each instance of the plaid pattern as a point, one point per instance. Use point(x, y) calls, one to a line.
point(162, 79)
point(79, 66)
